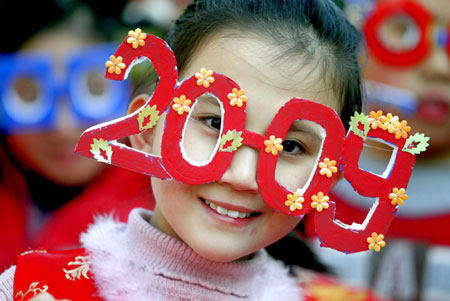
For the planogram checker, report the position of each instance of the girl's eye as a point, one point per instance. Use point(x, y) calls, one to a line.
point(292, 147)
point(212, 122)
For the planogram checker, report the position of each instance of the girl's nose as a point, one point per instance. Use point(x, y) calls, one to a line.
point(437, 65)
point(65, 119)
point(241, 174)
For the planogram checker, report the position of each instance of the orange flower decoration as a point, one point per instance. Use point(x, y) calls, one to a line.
point(237, 97)
point(376, 119)
point(136, 38)
point(115, 65)
point(328, 167)
point(204, 77)
point(391, 123)
point(376, 241)
point(273, 145)
point(294, 201)
point(398, 196)
point(335, 291)
point(403, 130)
point(320, 201)
point(181, 104)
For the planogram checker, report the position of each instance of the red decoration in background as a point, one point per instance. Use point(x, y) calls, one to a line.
point(383, 52)
point(49, 269)
point(106, 195)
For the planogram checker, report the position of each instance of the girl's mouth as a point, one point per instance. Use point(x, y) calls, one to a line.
point(228, 212)
point(434, 108)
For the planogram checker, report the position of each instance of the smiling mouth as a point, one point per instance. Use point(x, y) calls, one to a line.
point(229, 212)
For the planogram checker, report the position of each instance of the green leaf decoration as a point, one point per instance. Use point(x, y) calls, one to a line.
point(144, 114)
point(101, 150)
point(357, 121)
point(233, 136)
point(416, 144)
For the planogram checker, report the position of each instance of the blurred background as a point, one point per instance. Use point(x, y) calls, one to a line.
point(406, 65)
point(52, 88)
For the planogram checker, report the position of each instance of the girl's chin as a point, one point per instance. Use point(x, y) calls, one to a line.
point(224, 255)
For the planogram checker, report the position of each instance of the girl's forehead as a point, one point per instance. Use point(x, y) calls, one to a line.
point(259, 67)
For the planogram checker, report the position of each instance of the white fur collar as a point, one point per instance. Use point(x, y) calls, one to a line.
point(123, 273)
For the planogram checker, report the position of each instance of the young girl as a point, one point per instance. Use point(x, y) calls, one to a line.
point(204, 241)
point(48, 194)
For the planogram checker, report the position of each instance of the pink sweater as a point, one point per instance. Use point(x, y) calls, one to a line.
point(135, 261)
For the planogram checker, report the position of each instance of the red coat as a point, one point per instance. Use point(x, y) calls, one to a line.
point(115, 191)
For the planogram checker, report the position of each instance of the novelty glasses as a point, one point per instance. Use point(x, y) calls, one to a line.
point(30, 89)
point(315, 163)
point(402, 33)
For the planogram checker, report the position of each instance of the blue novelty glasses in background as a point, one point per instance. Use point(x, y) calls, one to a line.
point(30, 90)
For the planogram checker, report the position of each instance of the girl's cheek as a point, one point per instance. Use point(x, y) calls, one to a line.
point(198, 146)
point(294, 175)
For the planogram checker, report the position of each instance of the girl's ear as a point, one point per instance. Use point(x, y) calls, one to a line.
point(144, 140)
point(338, 177)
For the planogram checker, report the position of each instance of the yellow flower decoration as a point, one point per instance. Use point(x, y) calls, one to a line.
point(237, 97)
point(136, 38)
point(376, 119)
point(328, 167)
point(403, 130)
point(336, 292)
point(398, 196)
point(181, 104)
point(294, 201)
point(320, 201)
point(273, 145)
point(391, 123)
point(204, 77)
point(376, 241)
point(115, 65)
point(101, 150)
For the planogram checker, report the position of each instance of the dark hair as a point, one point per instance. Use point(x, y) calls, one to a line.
point(105, 27)
point(315, 29)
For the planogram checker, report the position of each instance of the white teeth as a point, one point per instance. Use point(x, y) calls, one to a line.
point(243, 214)
point(221, 210)
point(230, 213)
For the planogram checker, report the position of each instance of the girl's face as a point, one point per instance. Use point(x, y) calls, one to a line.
point(429, 80)
point(51, 153)
point(206, 216)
